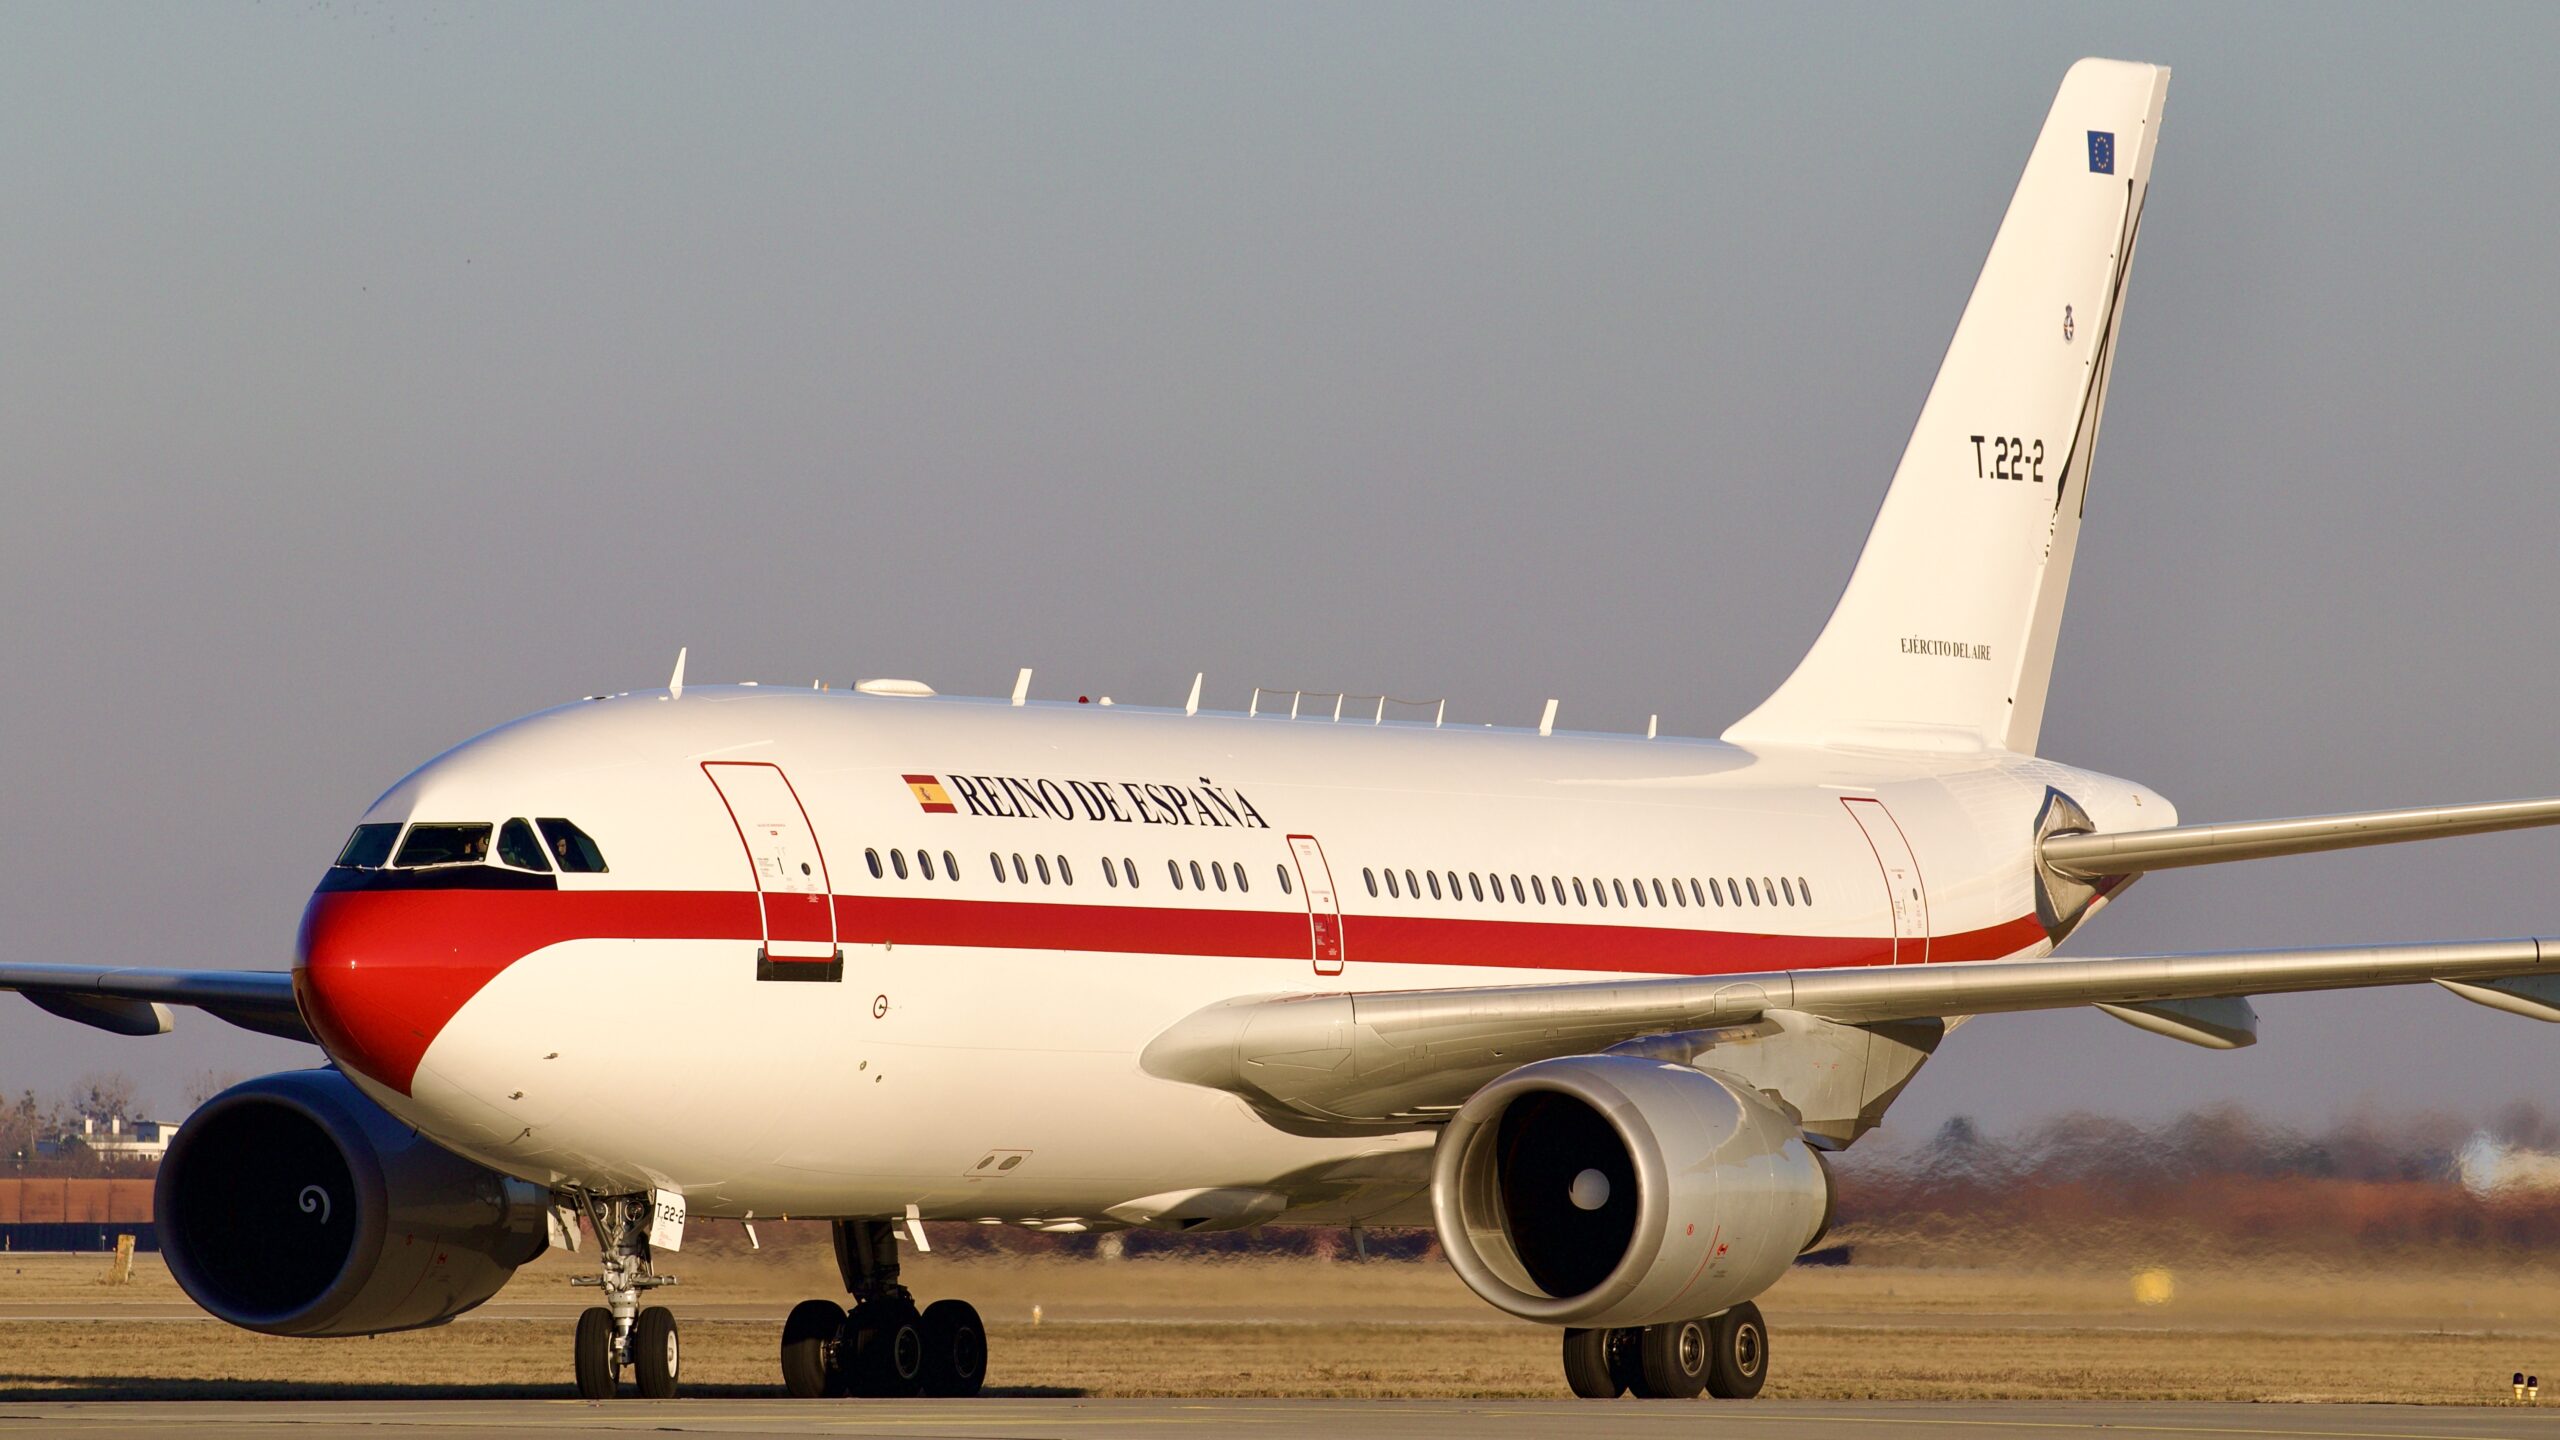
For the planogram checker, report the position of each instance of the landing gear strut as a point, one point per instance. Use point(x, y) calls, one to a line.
point(621, 1332)
point(1726, 1356)
point(883, 1347)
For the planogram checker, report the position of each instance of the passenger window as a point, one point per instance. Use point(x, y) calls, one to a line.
point(924, 863)
point(444, 845)
point(1657, 892)
point(1434, 877)
point(1241, 887)
point(1174, 868)
point(1497, 889)
point(1578, 897)
point(1540, 887)
point(997, 861)
point(1475, 887)
point(1519, 892)
point(951, 865)
point(1679, 895)
point(872, 857)
point(570, 847)
point(1197, 883)
point(1412, 886)
point(1129, 868)
point(1218, 873)
point(517, 847)
point(1789, 887)
point(1622, 892)
point(1696, 893)
point(1454, 892)
point(369, 848)
point(1288, 889)
point(1769, 888)
point(1733, 888)
point(1804, 887)
point(1021, 871)
point(1110, 876)
point(1065, 875)
point(1754, 888)
point(898, 862)
point(1393, 892)
point(1043, 862)
point(1367, 874)
point(1717, 888)
point(1641, 902)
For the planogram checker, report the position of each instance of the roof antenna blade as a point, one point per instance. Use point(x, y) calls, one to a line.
point(1653, 727)
point(1547, 722)
point(1022, 686)
point(675, 682)
point(1192, 705)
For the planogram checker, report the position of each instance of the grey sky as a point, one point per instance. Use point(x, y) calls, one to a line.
point(374, 374)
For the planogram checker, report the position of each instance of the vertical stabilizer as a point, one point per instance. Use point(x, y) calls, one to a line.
point(1944, 638)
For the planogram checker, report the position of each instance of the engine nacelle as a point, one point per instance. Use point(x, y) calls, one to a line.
point(1611, 1190)
point(293, 1205)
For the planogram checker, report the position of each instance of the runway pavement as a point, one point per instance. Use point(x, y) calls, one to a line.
point(1020, 1419)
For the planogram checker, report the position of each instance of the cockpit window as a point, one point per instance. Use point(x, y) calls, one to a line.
point(369, 848)
point(570, 846)
point(443, 845)
point(517, 847)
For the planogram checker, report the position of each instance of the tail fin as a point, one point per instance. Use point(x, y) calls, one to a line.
point(1944, 638)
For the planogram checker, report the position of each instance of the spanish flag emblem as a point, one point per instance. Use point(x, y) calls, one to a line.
point(930, 794)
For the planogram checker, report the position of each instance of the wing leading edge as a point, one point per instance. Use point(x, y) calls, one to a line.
point(1401, 1057)
point(131, 1001)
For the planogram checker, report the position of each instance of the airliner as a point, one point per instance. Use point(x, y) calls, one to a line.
point(1593, 1007)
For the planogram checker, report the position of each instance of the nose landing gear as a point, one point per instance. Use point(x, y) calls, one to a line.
point(621, 1333)
point(883, 1347)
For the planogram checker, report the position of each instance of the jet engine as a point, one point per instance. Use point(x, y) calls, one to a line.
point(1613, 1190)
point(293, 1205)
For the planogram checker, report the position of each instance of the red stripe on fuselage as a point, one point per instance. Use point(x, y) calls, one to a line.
point(381, 972)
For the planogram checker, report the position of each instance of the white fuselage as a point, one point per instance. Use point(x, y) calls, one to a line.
point(976, 1055)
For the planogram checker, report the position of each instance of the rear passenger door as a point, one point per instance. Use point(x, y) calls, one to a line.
point(792, 886)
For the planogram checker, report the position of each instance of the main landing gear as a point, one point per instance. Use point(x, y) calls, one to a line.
point(1726, 1356)
point(883, 1347)
point(622, 1333)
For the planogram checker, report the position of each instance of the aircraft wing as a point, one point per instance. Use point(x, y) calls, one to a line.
point(1401, 1057)
point(128, 1001)
point(2133, 852)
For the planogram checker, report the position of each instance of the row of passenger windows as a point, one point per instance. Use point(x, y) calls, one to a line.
point(1055, 870)
point(371, 847)
point(1553, 889)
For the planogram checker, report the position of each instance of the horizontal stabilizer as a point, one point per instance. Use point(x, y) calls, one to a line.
point(2132, 852)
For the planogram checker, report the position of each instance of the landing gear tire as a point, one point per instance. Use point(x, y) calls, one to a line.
point(655, 1359)
point(598, 1375)
point(955, 1349)
point(1673, 1360)
point(1589, 1370)
point(883, 1349)
point(1738, 1353)
point(809, 1350)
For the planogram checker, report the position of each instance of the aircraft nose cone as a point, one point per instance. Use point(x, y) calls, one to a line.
point(378, 974)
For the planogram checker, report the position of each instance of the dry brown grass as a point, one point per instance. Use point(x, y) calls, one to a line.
point(1184, 1327)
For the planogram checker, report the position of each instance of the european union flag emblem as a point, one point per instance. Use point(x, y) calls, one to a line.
point(2102, 152)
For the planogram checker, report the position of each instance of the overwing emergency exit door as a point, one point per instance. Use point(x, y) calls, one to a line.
point(1903, 890)
point(1324, 913)
point(792, 887)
